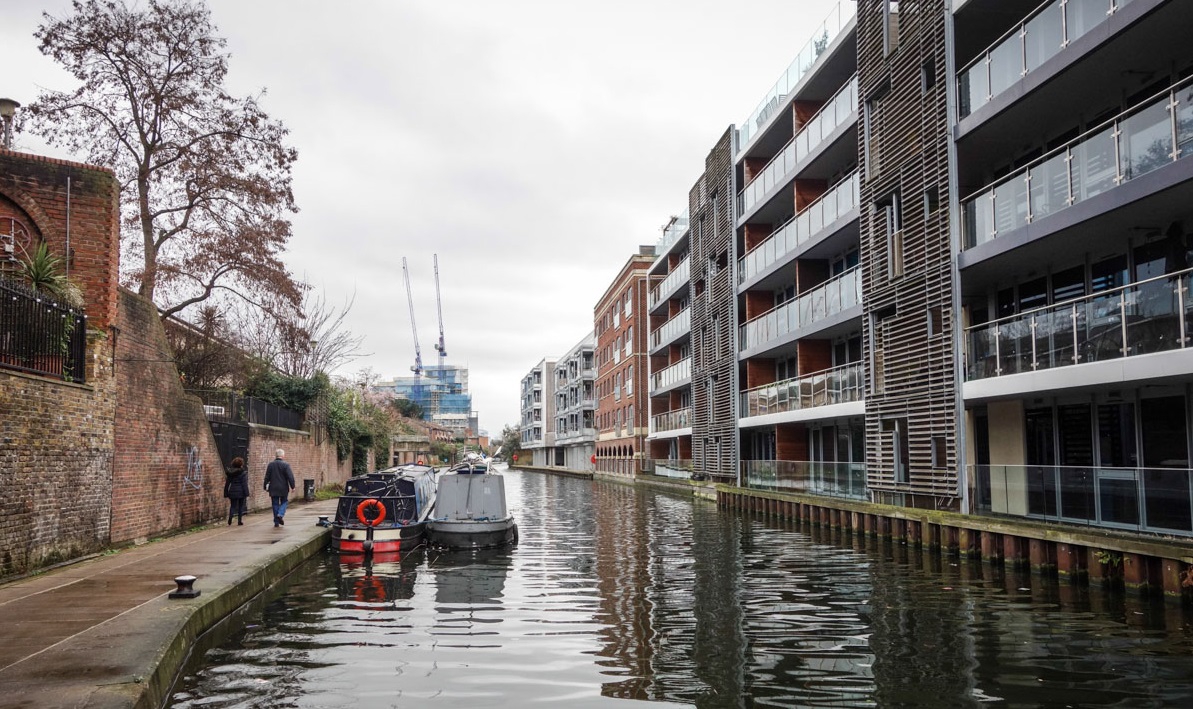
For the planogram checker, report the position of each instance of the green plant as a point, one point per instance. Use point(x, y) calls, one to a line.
point(45, 273)
point(1109, 558)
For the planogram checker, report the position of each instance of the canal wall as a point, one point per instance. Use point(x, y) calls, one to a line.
point(1080, 555)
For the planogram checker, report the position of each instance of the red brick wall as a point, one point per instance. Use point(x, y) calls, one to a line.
point(34, 190)
point(814, 356)
point(791, 441)
point(755, 234)
point(808, 191)
point(167, 473)
point(759, 371)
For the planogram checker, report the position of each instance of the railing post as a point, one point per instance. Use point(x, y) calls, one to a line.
point(997, 352)
point(1035, 360)
point(1122, 319)
point(1180, 307)
point(1073, 319)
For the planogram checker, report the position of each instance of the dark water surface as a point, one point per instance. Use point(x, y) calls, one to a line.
point(617, 594)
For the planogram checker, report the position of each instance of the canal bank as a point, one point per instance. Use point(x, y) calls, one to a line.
point(1082, 555)
point(103, 632)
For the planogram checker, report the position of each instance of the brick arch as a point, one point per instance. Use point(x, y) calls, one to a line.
point(37, 216)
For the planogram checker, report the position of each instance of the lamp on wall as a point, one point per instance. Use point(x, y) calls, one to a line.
point(8, 109)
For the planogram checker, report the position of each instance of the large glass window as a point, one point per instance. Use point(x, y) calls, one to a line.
point(1041, 457)
point(1166, 460)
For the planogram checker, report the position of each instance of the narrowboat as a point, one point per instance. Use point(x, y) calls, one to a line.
point(384, 511)
point(470, 509)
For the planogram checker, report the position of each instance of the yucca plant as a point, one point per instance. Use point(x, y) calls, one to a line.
point(43, 271)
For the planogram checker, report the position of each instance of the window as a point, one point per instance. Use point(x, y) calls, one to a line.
point(629, 340)
point(931, 199)
point(872, 128)
point(927, 74)
point(895, 430)
point(935, 320)
point(890, 25)
point(629, 380)
point(889, 225)
point(940, 452)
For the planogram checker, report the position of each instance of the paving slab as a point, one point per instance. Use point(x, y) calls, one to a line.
point(103, 634)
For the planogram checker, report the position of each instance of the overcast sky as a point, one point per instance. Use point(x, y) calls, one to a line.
point(532, 145)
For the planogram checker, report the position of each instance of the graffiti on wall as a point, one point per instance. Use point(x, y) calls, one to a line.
point(194, 470)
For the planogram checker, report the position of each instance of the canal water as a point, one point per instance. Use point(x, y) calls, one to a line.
point(616, 596)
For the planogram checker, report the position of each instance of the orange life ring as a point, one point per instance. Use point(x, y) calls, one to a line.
point(367, 504)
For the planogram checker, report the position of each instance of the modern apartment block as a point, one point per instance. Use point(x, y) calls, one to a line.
point(959, 265)
point(670, 348)
point(1073, 125)
point(623, 405)
point(538, 413)
point(575, 404)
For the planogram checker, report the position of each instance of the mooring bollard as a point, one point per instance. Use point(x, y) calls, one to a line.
point(186, 587)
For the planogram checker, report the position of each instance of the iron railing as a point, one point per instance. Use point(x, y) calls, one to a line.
point(235, 408)
point(830, 479)
point(1158, 500)
point(40, 335)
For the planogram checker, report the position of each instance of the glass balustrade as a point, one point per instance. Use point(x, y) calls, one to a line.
point(831, 386)
point(669, 468)
point(831, 115)
point(671, 420)
point(1139, 499)
point(834, 296)
point(827, 478)
point(672, 232)
point(802, 228)
point(673, 374)
point(1130, 145)
point(673, 328)
point(1150, 316)
point(822, 36)
point(1025, 47)
point(680, 274)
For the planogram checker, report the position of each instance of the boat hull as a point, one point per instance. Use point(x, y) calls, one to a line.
point(472, 534)
point(355, 539)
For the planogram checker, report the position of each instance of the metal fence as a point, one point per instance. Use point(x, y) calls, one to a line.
point(40, 335)
point(232, 407)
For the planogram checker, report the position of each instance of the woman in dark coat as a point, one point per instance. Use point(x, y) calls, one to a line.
point(236, 489)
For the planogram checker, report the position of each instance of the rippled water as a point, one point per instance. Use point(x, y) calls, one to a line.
point(616, 594)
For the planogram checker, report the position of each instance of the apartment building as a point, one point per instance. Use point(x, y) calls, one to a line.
point(1073, 122)
point(670, 350)
point(575, 404)
point(959, 258)
point(537, 425)
point(798, 284)
point(623, 405)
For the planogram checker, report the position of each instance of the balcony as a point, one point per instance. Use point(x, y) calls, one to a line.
point(822, 36)
point(679, 275)
point(672, 233)
point(671, 420)
point(1151, 135)
point(829, 479)
point(671, 330)
point(802, 228)
point(1025, 47)
point(575, 434)
point(782, 166)
point(838, 385)
point(1139, 499)
point(1142, 318)
point(675, 374)
point(669, 468)
point(830, 298)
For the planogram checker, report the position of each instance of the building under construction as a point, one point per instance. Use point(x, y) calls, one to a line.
point(442, 393)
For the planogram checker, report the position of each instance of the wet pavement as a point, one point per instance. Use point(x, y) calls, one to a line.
point(104, 633)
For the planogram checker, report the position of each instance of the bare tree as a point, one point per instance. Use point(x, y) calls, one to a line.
point(205, 176)
point(303, 341)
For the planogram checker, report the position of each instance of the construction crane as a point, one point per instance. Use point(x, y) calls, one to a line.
point(439, 306)
point(418, 354)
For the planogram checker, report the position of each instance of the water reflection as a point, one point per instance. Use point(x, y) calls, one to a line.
point(618, 595)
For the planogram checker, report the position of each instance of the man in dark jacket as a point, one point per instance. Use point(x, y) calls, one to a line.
point(279, 481)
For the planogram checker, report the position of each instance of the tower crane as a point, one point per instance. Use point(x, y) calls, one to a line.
point(418, 355)
point(439, 307)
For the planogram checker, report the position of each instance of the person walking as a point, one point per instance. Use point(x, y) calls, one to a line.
point(279, 481)
point(236, 489)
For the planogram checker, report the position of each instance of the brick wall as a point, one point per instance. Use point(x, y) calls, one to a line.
point(167, 472)
point(56, 439)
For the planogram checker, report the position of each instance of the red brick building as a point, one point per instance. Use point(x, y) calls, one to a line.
point(623, 407)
